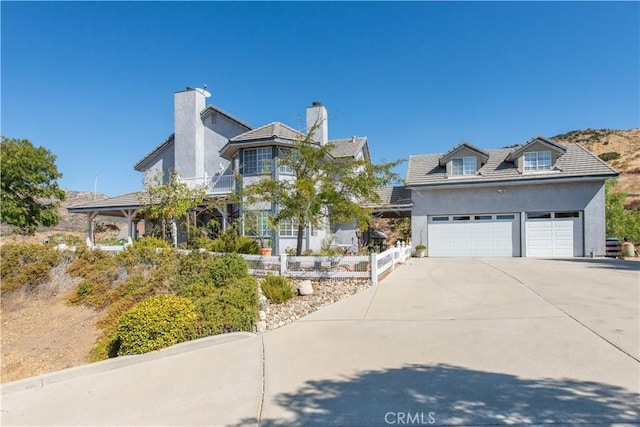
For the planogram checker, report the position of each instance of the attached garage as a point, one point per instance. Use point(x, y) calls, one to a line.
point(485, 235)
point(554, 234)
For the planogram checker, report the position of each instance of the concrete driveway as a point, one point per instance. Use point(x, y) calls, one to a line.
point(439, 341)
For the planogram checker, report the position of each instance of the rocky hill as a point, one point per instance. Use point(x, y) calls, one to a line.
point(70, 223)
point(619, 148)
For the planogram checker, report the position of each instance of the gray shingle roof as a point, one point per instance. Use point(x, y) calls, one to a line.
point(123, 201)
point(445, 157)
point(576, 162)
point(394, 196)
point(170, 138)
point(275, 130)
point(346, 147)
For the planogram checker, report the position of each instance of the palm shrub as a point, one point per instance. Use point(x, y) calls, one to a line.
point(155, 323)
point(277, 289)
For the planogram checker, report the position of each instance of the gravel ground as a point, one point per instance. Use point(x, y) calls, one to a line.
point(325, 292)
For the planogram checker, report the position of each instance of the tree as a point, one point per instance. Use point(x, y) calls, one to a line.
point(321, 186)
point(168, 202)
point(29, 191)
point(621, 222)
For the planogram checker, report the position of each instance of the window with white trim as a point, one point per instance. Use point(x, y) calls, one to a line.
point(463, 166)
point(283, 157)
point(288, 227)
point(256, 160)
point(537, 161)
point(256, 223)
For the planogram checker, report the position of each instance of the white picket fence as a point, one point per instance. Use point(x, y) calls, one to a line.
point(329, 267)
point(319, 267)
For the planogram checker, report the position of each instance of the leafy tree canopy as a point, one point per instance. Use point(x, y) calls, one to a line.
point(320, 186)
point(621, 222)
point(29, 191)
point(168, 202)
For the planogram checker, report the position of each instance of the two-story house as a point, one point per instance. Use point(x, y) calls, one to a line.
point(211, 148)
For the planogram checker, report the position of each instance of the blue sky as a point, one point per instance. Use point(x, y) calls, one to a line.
point(94, 81)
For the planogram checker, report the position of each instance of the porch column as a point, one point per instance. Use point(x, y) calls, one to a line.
point(89, 239)
point(130, 215)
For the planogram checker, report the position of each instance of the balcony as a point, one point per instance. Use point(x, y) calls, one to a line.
point(223, 184)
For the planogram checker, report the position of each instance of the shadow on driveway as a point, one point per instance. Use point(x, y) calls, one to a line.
point(450, 395)
point(610, 263)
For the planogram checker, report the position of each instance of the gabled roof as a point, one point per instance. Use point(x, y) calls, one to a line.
point(577, 162)
point(517, 152)
point(273, 133)
point(269, 132)
point(348, 147)
point(484, 156)
point(208, 110)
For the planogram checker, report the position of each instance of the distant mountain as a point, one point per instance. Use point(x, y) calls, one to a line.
point(619, 148)
point(73, 222)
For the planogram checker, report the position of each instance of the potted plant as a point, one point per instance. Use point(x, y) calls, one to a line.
point(421, 250)
point(265, 246)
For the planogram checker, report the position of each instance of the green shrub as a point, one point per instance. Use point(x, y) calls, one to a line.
point(611, 155)
point(277, 289)
point(99, 271)
point(229, 242)
point(26, 265)
point(157, 322)
point(144, 251)
point(233, 308)
point(106, 348)
point(226, 267)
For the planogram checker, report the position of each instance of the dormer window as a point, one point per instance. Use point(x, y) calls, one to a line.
point(537, 161)
point(463, 166)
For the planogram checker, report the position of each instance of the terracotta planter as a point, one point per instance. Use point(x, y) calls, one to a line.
point(265, 251)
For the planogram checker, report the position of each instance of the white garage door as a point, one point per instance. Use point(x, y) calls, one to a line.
point(487, 235)
point(554, 234)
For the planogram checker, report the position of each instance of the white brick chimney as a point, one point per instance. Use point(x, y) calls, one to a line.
point(189, 132)
point(317, 120)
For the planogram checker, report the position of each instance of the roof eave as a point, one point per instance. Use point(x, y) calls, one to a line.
point(520, 181)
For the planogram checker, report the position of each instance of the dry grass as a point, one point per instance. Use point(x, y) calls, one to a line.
point(41, 333)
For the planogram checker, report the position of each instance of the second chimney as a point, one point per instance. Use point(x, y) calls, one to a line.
point(317, 121)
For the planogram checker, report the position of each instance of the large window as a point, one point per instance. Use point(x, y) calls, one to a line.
point(256, 223)
point(257, 160)
point(537, 161)
point(283, 157)
point(463, 166)
point(288, 228)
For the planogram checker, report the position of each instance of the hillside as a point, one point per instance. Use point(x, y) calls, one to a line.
point(73, 224)
point(625, 148)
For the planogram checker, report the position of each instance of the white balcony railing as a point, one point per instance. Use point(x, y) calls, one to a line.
point(222, 184)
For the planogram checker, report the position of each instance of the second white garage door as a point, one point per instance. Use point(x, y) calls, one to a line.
point(486, 235)
point(554, 234)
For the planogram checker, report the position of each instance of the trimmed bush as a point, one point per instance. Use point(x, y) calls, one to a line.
point(226, 267)
point(157, 322)
point(277, 289)
point(26, 265)
point(234, 308)
point(611, 155)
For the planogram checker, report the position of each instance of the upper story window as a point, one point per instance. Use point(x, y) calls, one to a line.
point(257, 160)
point(537, 161)
point(284, 153)
point(463, 166)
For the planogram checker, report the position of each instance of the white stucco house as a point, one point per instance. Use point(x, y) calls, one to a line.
point(537, 199)
point(211, 147)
